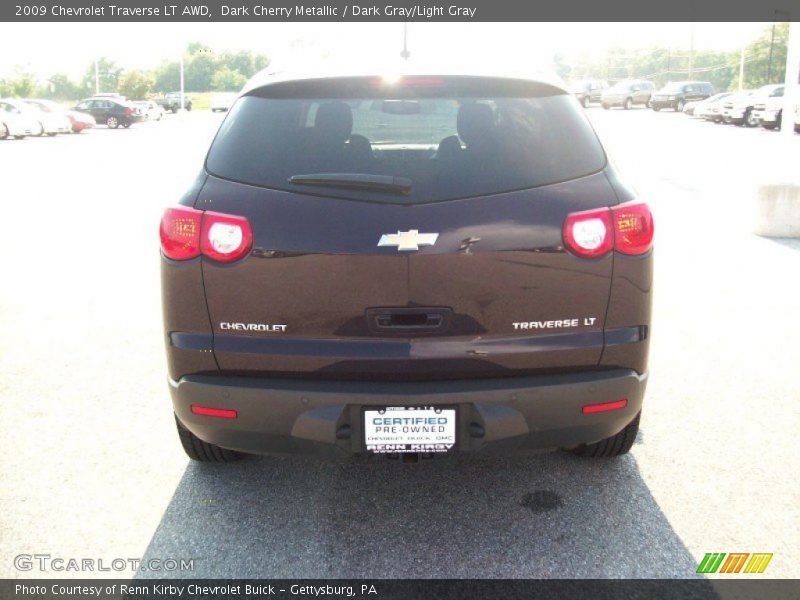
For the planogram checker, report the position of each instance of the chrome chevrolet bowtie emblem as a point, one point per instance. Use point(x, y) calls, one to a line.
point(408, 240)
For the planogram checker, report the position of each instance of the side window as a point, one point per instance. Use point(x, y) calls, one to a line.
point(688, 88)
point(778, 93)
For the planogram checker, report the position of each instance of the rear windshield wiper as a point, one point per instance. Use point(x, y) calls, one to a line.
point(356, 181)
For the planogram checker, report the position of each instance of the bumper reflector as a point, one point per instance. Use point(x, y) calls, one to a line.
point(221, 413)
point(595, 408)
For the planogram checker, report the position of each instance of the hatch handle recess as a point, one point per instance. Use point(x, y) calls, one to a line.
point(411, 321)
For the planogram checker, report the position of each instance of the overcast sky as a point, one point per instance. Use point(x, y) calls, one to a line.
point(48, 48)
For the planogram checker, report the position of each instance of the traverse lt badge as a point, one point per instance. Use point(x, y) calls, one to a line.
point(408, 240)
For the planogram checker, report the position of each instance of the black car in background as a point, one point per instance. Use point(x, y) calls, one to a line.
point(110, 111)
point(588, 91)
point(416, 265)
point(676, 94)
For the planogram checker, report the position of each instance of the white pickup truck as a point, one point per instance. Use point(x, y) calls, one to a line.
point(741, 110)
point(767, 107)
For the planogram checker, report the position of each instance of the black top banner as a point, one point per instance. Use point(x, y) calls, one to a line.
point(399, 10)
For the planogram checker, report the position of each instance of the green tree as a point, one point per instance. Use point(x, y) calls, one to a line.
point(108, 75)
point(135, 84)
point(765, 58)
point(198, 70)
point(167, 77)
point(245, 62)
point(227, 80)
point(562, 69)
point(22, 84)
point(61, 87)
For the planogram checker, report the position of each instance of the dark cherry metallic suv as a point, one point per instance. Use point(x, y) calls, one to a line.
point(414, 265)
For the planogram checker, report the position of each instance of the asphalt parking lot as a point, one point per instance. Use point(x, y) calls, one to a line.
point(92, 467)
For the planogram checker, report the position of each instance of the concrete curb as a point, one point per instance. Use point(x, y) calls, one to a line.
point(778, 210)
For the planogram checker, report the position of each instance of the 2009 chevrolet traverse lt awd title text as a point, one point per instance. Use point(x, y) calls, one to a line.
point(418, 265)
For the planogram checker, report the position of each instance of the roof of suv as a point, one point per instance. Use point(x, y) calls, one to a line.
point(271, 76)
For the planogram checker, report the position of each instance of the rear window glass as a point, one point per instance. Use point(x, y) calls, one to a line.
point(447, 141)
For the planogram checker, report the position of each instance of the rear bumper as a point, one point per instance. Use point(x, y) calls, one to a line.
point(768, 116)
point(663, 103)
point(324, 417)
point(736, 114)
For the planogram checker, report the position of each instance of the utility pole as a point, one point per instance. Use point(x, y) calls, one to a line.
point(96, 77)
point(181, 63)
point(741, 68)
point(791, 91)
point(691, 53)
point(669, 63)
point(769, 64)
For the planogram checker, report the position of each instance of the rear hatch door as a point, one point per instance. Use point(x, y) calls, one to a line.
point(430, 244)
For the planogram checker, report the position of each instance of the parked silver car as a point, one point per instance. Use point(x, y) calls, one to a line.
point(151, 110)
point(627, 94)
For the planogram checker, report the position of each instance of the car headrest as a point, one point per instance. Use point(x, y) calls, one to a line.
point(474, 122)
point(334, 122)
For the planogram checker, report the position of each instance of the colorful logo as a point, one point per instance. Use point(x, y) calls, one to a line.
point(736, 562)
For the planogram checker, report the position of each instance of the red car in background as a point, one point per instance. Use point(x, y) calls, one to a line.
point(78, 120)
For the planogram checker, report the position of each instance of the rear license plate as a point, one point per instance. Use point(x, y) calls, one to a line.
point(409, 429)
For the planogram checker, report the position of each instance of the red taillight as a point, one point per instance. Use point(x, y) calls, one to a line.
point(633, 228)
point(596, 408)
point(225, 238)
point(588, 233)
point(129, 111)
point(626, 228)
point(187, 233)
point(180, 233)
point(220, 413)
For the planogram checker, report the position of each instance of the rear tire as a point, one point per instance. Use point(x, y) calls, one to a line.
point(616, 445)
point(606, 106)
point(112, 122)
point(679, 106)
point(585, 102)
point(749, 120)
point(628, 104)
point(201, 451)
